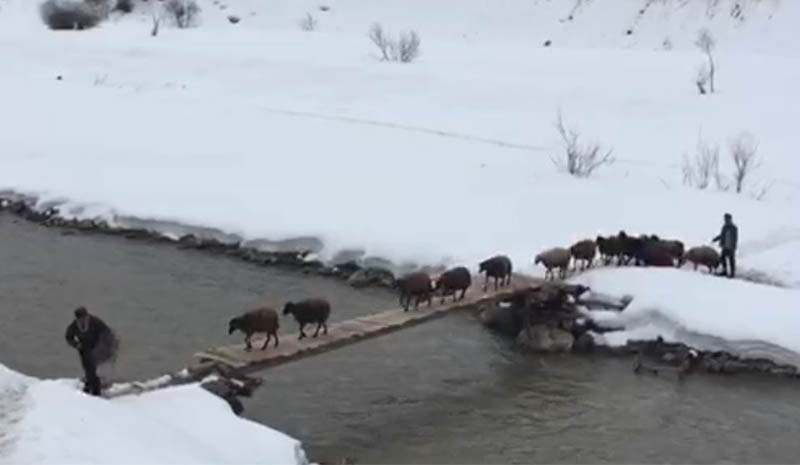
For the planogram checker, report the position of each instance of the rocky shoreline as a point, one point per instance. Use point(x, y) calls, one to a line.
point(556, 318)
point(301, 260)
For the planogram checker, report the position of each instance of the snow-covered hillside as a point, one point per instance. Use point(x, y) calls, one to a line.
point(264, 130)
point(51, 421)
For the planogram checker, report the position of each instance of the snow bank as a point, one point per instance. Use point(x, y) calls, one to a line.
point(707, 312)
point(50, 421)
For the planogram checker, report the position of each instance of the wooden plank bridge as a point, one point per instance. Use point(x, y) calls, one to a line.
point(349, 332)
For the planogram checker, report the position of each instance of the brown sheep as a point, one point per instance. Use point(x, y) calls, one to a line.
point(418, 285)
point(309, 311)
point(453, 280)
point(554, 258)
point(610, 248)
point(703, 255)
point(583, 251)
point(498, 267)
point(260, 320)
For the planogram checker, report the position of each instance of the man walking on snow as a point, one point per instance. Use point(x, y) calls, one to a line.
point(728, 238)
point(96, 343)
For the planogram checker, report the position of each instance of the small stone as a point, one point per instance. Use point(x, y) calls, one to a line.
point(233, 19)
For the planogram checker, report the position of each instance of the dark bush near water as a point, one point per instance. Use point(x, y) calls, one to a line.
point(69, 15)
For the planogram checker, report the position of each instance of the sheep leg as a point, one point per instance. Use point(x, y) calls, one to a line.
point(430, 299)
point(325, 328)
point(302, 334)
point(319, 325)
point(463, 293)
point(247, 346)
point(266, 342)
point(495, 283)
point(508, 279)
point(276, 338)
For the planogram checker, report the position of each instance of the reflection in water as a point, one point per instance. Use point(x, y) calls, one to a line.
point(443, 392)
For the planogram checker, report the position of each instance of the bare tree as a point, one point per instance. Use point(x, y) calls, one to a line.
point(579, 161)
point(155, 15)
point(744, 150)
point(308, 23)
point(706, 43)
point(405, 49)
point(703, 168)
point(378, 37)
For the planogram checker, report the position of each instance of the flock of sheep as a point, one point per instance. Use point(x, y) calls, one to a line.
point(622, 249)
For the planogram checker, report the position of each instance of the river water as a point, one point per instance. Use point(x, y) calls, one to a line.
point(447, 391)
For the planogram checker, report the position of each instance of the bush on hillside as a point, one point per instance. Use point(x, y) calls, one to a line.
point(579, 160)
point(307, 23)
point(69, 15)
point(184, 13)
point(124, 6)
point(404, 49)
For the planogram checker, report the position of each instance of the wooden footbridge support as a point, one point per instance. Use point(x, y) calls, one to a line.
point(352, 331)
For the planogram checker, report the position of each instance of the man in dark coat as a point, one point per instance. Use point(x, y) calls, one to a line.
point(728, 239)
point(89, 335)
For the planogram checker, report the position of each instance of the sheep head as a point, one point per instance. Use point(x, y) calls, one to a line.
point(234, 324)
point(288, 308)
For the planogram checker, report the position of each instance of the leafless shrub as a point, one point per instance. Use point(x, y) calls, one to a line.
point(706, 43)
point(743, 150)
point(698, 172)
point(404, 49)
point(67, 14)
point(184, 13)
point(308, 23)
point(100, 80)
point(579, 161)
point(378, 37)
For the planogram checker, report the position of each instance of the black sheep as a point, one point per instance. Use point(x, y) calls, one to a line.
point(498, 267)
point(453, 280)
point(610, 248)
point(309, 311)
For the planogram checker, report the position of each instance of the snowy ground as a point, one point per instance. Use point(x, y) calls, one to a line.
point(265, 131)
point(50, 421)
point(706, 312)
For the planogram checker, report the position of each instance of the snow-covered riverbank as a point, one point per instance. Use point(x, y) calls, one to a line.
point(51, 421)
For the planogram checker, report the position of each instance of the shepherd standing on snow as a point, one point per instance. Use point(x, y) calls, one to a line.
point(728, 238)
point(96, 344)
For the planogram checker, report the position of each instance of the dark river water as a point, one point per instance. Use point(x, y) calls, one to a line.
point(444, 392)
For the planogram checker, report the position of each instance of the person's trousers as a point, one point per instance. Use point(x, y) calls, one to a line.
point(729, 262)
point(92, 385)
